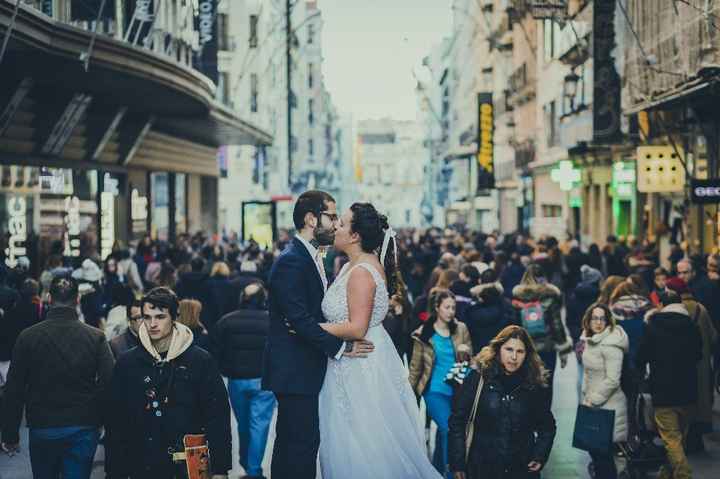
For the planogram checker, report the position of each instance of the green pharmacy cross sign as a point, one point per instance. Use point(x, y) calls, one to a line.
point(566, 175)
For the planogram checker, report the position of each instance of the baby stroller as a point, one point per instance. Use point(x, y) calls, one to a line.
point(644, 451)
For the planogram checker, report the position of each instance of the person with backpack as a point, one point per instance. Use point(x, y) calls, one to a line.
point(538, 306)
point(605, 347)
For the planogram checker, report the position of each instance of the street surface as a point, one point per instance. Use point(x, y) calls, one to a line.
point(565, 462)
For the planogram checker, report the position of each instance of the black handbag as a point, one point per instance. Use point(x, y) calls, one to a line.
point(594, 430)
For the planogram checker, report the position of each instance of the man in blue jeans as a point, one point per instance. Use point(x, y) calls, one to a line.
point(59, 372)
point(239, 341)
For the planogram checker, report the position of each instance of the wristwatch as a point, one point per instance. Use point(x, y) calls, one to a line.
point(348, 346)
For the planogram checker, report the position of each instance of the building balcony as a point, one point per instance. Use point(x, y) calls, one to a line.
point(522, 86)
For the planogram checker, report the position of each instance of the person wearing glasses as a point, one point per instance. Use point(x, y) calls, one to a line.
point(129, 339)
point(606, 344)
point(161, 391)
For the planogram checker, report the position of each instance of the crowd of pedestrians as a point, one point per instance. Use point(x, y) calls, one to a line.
point(138, 345)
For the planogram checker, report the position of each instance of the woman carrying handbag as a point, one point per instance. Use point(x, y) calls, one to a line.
point(606, 344)
point(501, 426)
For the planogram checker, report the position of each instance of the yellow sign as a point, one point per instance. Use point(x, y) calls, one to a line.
point(659, 169)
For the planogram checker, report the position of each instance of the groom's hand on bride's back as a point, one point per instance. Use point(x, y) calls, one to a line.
point(359, 349)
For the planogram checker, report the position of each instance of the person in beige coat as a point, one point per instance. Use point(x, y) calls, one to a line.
point(606, 344)
point(439, 344)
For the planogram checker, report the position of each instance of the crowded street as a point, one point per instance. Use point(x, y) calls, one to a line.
point(354, 239)
point(565, 462)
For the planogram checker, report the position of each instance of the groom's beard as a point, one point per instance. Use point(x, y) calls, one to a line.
point(323, 236)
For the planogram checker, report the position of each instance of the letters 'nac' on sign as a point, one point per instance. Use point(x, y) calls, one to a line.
point(659, 169)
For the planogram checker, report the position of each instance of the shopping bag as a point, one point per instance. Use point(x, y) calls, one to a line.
point(594, 430)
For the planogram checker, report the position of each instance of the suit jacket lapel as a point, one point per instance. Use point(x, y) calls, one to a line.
point(303, 251)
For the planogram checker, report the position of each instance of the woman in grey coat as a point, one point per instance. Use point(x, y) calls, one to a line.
point(606, 344)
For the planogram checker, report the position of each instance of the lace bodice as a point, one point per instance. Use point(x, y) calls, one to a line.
point(335, 304)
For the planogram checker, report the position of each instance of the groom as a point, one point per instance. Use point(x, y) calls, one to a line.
point(297, 349)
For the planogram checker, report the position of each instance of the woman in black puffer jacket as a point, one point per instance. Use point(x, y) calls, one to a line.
point(514, 427)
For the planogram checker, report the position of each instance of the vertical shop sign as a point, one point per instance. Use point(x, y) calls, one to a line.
point(17, 230)
point(107, 223)
point(606, 88)
point(486, 143)
point(72, 227)
point(138, 211)
point(206, 24)
point(222, 160)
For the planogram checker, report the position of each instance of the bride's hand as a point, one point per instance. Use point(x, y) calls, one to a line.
point(360, 349)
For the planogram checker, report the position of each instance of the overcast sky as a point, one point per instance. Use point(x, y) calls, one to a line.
point(370, 47)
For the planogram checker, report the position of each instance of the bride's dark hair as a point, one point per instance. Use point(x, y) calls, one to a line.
point(370, 226)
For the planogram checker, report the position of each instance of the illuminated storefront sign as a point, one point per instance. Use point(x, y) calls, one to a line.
point(566, 175)
point(107, 223)
point(138, 211)
point(72, 226)
point(17, 229)
point(623, 180)
point(486, 146)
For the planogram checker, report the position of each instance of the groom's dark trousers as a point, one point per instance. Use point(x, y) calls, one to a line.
point(295, 360)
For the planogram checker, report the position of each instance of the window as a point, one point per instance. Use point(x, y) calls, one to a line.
point(310, 34)
point(552, 127)
point(223, 87)
point(551, 211)
point(548, 40)
point(253, 31)
point(160, 210)
point(253, 92)
point(311, 147)
point(311, 111)
point(311, 79)
point(223, 32)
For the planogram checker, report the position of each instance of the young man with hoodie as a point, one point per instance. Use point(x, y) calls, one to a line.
point(672, 346)
point(161, 391)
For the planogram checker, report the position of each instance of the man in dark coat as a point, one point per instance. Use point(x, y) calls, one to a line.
point(129, 339)
point(59, 372)
point(161, 391)
point(238, 344)
point(580, 299)
point(297, 349)
point(672, 346)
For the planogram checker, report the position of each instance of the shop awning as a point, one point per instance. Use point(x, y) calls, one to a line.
point(153, 91)
point(684, 92)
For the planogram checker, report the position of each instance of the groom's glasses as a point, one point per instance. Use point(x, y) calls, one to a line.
point(333, 217)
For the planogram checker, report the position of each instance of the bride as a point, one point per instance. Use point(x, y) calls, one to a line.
point(369, 420)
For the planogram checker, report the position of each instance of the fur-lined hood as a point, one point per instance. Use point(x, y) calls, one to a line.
point(536, 292)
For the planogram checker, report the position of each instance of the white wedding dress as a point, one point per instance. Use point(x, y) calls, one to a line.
point(370, 425)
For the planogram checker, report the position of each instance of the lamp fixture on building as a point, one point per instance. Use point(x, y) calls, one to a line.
point(570, 87)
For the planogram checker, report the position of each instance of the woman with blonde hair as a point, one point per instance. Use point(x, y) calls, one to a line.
point(222, 296)
point(189, 315)
point(501, 426)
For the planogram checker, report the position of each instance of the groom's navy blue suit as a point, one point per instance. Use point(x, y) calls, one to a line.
point(295, 364)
